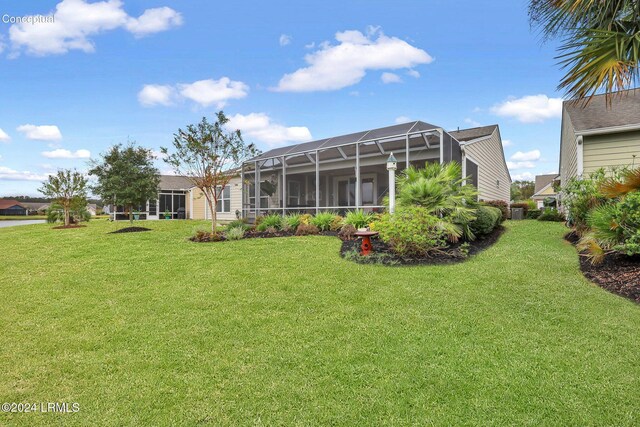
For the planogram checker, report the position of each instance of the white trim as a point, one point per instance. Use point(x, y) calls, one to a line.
point(473, 141)
point(610, 129)
point(580, 155)
point(191, 204)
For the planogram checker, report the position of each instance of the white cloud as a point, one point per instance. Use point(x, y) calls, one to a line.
point(507, 143)
point(472, 122)
point(413, 73)
point(9, 174)
point(524, 176)
point(402, 119)
point(156, 95)
point(203, 92)
point(77, 21)
point(532, 155)
point(521, 165)
point(61, 153)
point(260, 127)
point(310, 45)
point(337, 66)
point(4, 137)
point(284, 39)
point(387, 77)
point(209, 92)
point(154, 21)
point(40, 133)
point(530, 109)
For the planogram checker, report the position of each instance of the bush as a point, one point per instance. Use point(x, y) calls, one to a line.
point(307, 230)
point(337, 223)
point(358, 218)
point(269, 221)
point(523, 205)
point(290, 222)
point(206, 236)
point(242, 223)
point(551, 215)
point(235, 233)
point(500, 204)
point(305, 218)
point(415, 231)
point(323, 220)
point(347, 232)
point(533, 213)
point(487, 219)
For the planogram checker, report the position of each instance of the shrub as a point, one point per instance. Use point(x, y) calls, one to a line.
point(307, 230)
point(305, 218)
point(202, 235)
point(533, 213)
point(347, 232)
point(77, 214)
point(500, 204)
point(487, 219)
point(358, 218)
point(551, 215)
point(271, 230)
point(270, 221)
point(290, 222)
point(235, 233)
point(523, 205)
point(337, 223)
point(323, 220)
point(413, 230)
point(242, 223)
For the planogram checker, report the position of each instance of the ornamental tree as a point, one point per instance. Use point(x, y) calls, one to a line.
point(209, 155)
point(68, 189)
point(127, 176)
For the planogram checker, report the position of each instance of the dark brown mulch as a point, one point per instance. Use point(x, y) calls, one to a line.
point(382, 253)
point(130, 230)
point(65, 227)
point(618, 273)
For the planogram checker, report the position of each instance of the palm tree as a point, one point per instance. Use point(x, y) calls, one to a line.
point(600, 43)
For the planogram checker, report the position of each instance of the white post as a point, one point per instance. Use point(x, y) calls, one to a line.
point(392, 165)
point(580, 155)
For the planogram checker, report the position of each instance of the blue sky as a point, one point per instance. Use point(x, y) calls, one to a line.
point(285, 72)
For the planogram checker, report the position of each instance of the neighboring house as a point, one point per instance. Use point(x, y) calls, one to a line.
point(544, 189)
point(598, 136)
point(12, 207)
point(92, 208)
point(323, 174)
point(179, 199)
point(34, 208)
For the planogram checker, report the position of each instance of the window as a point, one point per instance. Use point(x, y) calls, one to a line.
point(224, 202)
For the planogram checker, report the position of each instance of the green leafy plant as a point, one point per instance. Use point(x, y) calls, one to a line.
point(550, 214)
point(238, 223)
point(270, 221)
point(487, 219)
point(358, 218)
point(323, 220)
point(235, 233)
point(500, 204)
point(337, 223)
point(533, 213)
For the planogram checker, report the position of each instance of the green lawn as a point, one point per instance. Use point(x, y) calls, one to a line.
point(150, 329)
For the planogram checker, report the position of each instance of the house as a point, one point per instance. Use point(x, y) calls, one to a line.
point(598, 136)
point(348, 172)
point(34, 208)
point(544, 189)
point(178, 198)
point(92, 208)
point(12, 207)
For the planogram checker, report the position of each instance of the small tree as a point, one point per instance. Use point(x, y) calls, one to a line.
point(68, 189)
point(208, 156)
point(127, 176)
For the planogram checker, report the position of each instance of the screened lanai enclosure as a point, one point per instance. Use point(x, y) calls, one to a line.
point(341, 173)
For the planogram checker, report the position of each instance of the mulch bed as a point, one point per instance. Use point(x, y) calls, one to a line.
point(382, 254)
point(130, 230)
point(65, 227)
point(618, 273)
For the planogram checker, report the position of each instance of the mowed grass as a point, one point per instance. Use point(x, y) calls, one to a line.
point(151, 329)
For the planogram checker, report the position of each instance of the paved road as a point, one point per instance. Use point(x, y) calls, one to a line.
point(20, 222)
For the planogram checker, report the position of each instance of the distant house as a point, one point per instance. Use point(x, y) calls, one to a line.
point(34, 208)
point(598, 136)
point(544, 189)
point(12, 207)
point(92, 208)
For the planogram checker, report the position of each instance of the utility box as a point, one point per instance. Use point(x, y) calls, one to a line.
point(517, 213)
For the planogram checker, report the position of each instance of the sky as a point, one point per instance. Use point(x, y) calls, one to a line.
point(112, 71)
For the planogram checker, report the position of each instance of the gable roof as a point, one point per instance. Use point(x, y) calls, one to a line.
point(464, 135)
point(175, 182)
point(544, 180)
point(371, 134)
point(624, 111)
point(6, 204)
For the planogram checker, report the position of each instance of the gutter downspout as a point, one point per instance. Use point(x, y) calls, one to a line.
point(580, 155)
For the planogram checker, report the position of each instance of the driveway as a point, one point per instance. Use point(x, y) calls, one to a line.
point(12, 223)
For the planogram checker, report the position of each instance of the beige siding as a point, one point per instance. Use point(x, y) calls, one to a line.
point(491, 168)
point(201, 209)
point(568, 150)
point(199, 202)
point(611, 150)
